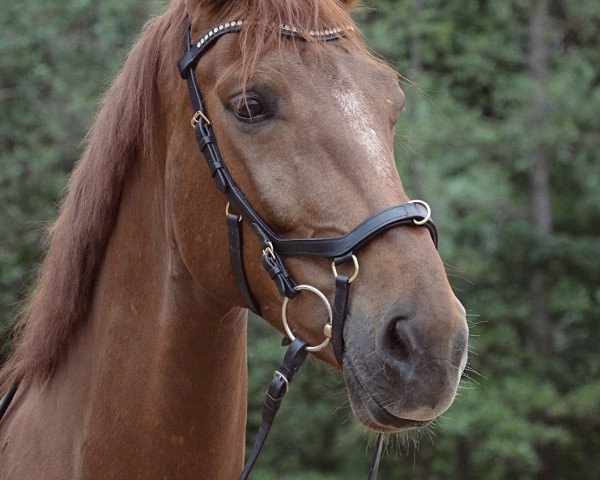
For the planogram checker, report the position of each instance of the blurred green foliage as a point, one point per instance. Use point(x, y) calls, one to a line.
point(465, 142)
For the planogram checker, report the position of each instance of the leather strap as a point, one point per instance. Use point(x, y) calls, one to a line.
point(235, 236)
point(283, 280)
point(293, 360)
point(340, 305)
point(374, 470)
point(398, 215)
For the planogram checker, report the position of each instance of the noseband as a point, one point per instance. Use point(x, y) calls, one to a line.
point(339, 249)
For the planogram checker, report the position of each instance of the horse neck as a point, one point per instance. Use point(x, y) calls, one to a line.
point(158, 350)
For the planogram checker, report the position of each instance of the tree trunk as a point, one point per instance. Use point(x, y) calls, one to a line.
point(539, 173)
point(463, 457)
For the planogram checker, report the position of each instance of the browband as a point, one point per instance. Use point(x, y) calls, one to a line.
point(195, 50)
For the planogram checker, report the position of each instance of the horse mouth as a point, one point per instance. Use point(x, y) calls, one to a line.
point(369, 411)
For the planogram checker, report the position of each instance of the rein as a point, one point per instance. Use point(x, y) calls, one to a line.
point(338, 249)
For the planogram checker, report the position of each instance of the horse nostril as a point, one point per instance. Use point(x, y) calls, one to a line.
point(399, 344)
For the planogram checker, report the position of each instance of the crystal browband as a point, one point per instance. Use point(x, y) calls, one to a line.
point(284, 28)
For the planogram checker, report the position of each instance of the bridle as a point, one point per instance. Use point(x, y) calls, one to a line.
point(339, 249)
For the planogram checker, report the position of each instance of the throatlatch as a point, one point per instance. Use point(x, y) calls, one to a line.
point(339, 249)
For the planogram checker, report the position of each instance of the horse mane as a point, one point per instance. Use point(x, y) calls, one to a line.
point(122, 132)
point(77, 241)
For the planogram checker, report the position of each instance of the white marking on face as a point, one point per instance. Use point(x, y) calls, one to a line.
point(360, 122)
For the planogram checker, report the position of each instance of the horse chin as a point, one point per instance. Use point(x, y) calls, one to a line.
point(369, 412)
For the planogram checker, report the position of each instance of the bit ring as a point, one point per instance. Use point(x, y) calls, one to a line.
point(286, 325)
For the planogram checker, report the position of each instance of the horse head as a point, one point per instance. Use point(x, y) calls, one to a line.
point(306, 130)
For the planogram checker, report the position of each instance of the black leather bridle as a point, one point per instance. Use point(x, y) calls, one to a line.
point(339, 249)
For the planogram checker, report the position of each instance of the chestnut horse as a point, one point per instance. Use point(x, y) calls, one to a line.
point(132, 350)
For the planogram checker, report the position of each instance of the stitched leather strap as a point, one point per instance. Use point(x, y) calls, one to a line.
point(293, 360)
point(391, 217)
point(235, 236)
point(340, 305)
point(279, 274)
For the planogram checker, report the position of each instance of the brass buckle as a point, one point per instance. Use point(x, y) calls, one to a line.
point(196, 118)
point(269, 251)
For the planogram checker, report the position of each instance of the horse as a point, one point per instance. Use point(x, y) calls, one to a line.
point(131, 353)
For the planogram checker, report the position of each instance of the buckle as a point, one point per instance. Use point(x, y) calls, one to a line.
point(280, 376)
point(196, 118)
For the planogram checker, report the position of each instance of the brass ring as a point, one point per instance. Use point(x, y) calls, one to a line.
point(356, 269)
point(227, 212)
point(284, 319)
point(428, 217)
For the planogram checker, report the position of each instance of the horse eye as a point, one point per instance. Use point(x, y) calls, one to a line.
point(248, 109)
